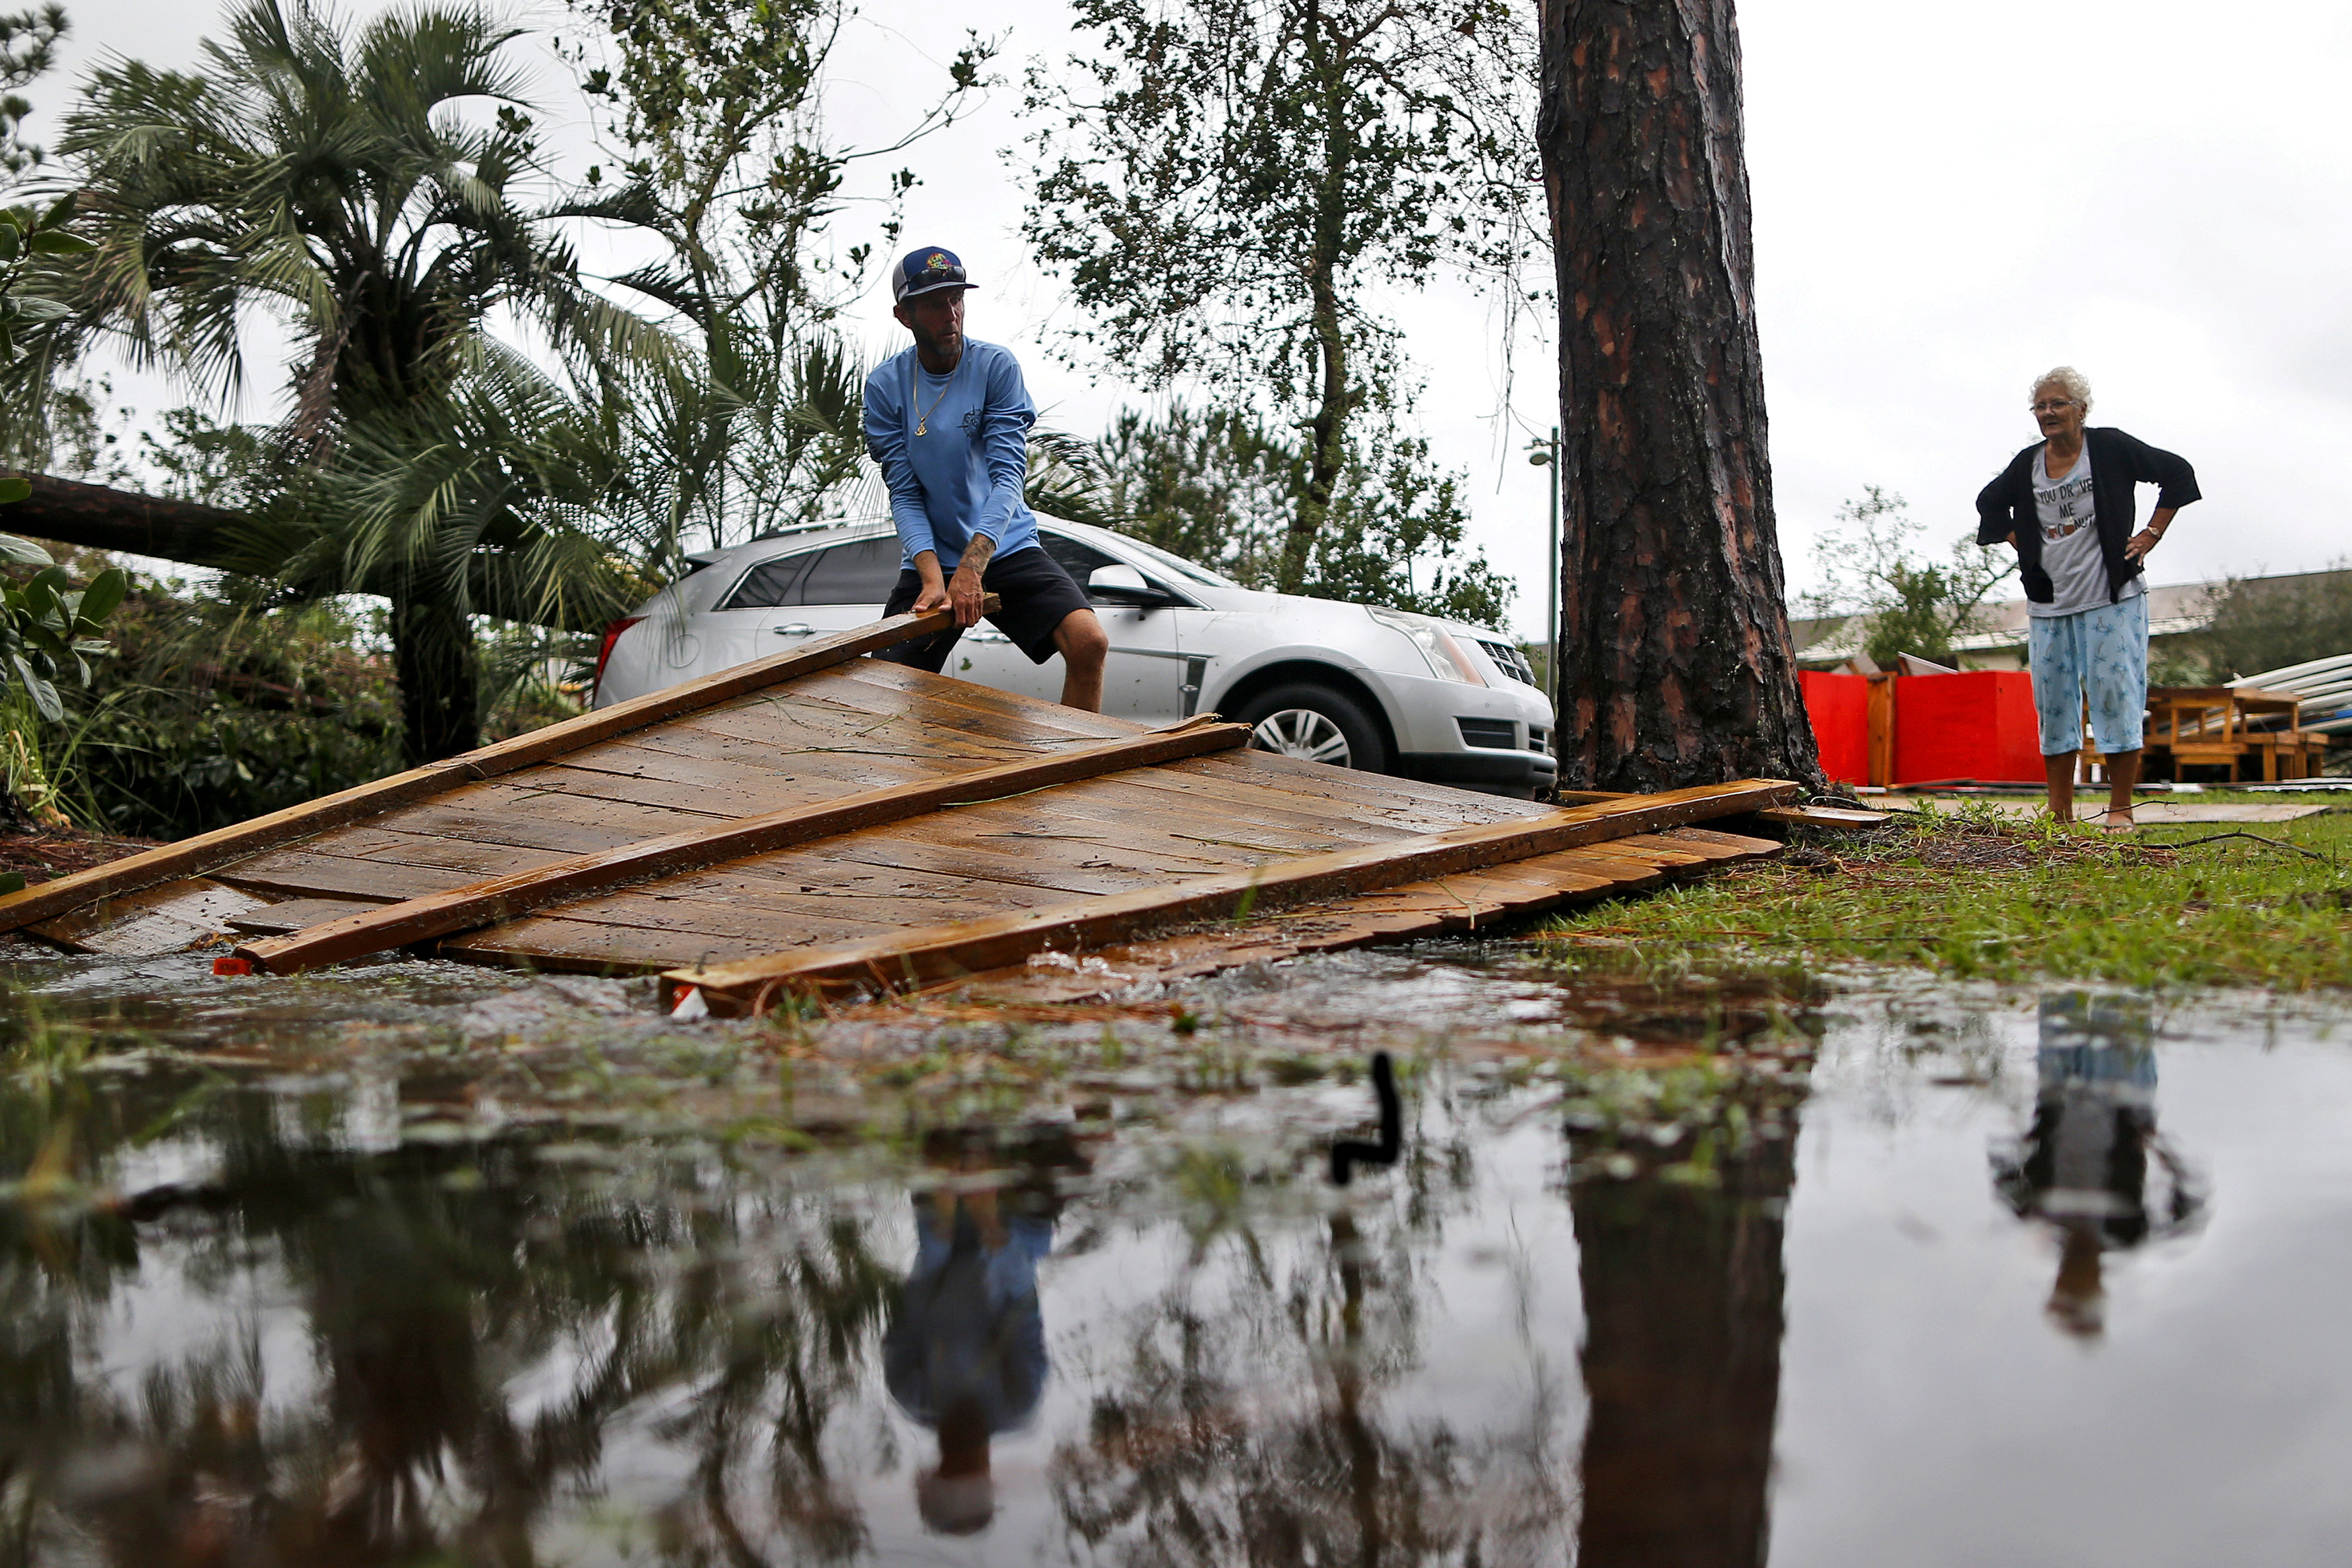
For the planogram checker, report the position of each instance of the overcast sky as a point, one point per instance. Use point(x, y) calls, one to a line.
point(1948, 201)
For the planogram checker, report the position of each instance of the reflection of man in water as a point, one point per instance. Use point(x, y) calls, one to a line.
point(965, 1353)
point(2092, 1164)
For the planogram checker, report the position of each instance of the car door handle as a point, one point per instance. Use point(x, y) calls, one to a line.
point(797, 629)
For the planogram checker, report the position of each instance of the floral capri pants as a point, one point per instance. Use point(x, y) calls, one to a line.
point(2100, 654)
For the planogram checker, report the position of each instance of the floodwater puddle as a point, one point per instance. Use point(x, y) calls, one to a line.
point(426, 1264)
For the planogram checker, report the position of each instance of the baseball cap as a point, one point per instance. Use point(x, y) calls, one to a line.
point(927, 271)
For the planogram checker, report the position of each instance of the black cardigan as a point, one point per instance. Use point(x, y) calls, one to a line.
point(2118, 462)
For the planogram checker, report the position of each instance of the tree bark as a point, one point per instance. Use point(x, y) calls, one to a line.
point(1683, 1289)
point(1327, 431)
point(433, 660)
point(1676, 662)
point(94, 517)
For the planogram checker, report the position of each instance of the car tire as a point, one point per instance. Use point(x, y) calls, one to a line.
point(1315, 723)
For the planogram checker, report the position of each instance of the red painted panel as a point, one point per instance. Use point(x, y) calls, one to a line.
point(1977, 725)
point(1839, 706)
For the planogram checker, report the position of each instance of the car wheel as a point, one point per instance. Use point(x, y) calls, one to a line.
point(1316, 724)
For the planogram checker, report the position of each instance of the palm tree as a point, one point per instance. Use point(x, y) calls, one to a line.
point(368, 190)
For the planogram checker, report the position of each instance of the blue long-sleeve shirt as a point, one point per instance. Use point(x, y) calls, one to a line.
point(965, 474)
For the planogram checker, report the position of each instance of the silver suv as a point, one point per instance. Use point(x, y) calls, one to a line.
point(1344, 684)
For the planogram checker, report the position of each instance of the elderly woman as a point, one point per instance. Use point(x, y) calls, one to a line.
point(2066, 503)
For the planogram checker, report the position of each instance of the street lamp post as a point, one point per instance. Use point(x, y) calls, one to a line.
point(1545, 455)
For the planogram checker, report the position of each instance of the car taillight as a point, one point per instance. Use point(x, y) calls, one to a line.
point(605, 654)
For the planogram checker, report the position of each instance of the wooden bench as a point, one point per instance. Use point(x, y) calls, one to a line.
point(2229, 727)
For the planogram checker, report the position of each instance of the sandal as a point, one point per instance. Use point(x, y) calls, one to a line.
point(2108, 823)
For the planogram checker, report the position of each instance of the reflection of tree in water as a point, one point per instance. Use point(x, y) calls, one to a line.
point(477, 1329)
point(2092, 1165)
point(1679, 1250)
point(1244, 1424)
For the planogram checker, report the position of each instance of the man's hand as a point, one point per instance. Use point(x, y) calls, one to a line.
point(964, 591)
point(934, 591)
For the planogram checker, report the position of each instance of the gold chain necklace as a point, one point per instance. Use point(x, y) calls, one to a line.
point(923, 421)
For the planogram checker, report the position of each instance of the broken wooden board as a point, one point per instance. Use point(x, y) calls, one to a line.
point(1843, 817)
point(829, 819)
point(416, 920)
point(144, 924)
point(915, 957)
point(206, 852)
point(1807, 815)
point(1454, 904)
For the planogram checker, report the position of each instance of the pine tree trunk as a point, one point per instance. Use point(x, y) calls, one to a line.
point(433, 660)
point(1676, 662)
point(1683, 1289)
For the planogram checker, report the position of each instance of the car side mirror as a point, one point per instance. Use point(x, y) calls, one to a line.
point(1118, 583)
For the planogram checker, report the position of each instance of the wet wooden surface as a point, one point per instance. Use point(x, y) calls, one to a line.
point(1447, 905)
point(918, 955)
point(825, 746)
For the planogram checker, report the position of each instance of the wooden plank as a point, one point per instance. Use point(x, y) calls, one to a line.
point(1062, 844)
point(1743, 844)
point(675, 755)
point(944, 951)
point(1088, 811)
point(940, 700)
point(1351, 789)
point(1233, 781)
point(1291, 774)
point(502, 898)
point(572, 946)
point(1514, 888)
point(536, 821)
point(822, 876)
point(1256, 822)
point(784, 919)
point(148, 922)
point(911, 710)
point(293, 874)
point(929, 715)
point(755, 926)
point(206, 852)
point(710, 796)
point(440, 853)
point(1659, 852)
point(1824, 817)
point(291, 914)
point(897, 851)
point(757, 771)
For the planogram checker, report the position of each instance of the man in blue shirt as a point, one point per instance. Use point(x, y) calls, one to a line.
point(948, 420)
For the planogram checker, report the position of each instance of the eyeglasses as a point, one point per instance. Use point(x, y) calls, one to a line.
point(2052, 405)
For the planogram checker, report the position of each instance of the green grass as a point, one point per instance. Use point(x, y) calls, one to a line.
point(1967, 894)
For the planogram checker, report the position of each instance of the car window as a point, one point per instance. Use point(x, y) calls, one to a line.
point(1183, 570)
point(1079, 559)
point(771, 582)
point(862, 571)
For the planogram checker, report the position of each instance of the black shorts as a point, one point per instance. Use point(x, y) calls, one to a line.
point(1037, 595)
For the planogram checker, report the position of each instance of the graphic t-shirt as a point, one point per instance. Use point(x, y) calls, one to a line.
point(2068, 517)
